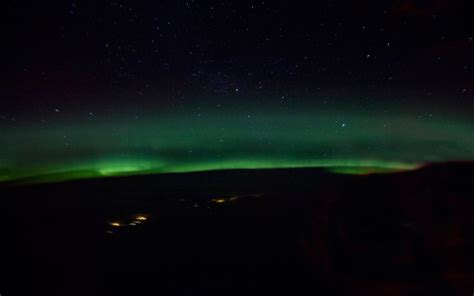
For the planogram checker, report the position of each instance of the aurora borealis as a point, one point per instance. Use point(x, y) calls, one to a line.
point(341, 141)
point(122, 87)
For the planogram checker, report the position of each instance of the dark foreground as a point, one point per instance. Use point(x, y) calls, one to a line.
point(264, 232)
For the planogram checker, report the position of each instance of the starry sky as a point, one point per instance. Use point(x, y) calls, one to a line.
point(101, 88)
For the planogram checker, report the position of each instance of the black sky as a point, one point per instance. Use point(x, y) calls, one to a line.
point(169, 52)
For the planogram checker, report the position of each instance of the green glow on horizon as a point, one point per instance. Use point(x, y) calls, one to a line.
point(338, 140)
point(128, 168)
point(124, 167)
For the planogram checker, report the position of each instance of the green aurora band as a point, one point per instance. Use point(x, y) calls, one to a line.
point(174, 142)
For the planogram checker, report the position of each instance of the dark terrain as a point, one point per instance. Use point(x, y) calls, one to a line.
point(262, 232)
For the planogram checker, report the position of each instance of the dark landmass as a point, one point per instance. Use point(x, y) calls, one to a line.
point(289, 232)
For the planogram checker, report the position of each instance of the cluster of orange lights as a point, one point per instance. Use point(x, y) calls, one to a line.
point(140, 218)
point(223, 200)
point(136, 220)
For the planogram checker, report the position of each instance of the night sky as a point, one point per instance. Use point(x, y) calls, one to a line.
point(101, 88)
